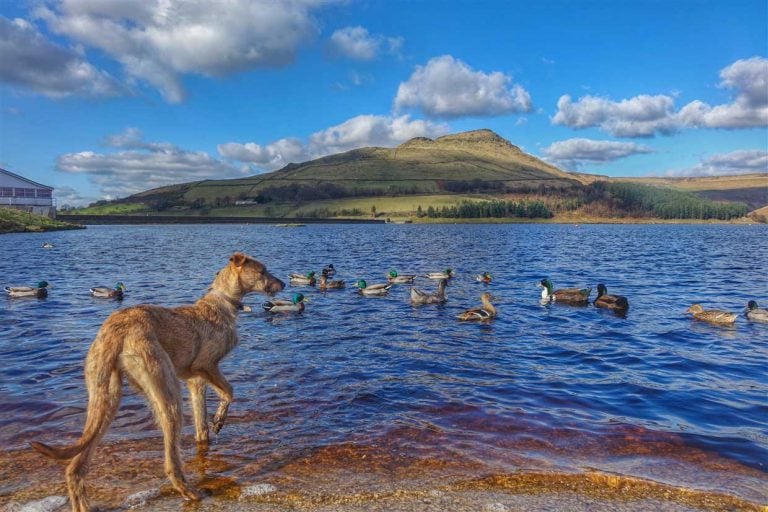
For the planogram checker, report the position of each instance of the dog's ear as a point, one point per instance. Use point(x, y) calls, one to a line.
point(238, 259)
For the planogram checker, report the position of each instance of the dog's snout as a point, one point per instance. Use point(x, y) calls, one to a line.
point(275, 285)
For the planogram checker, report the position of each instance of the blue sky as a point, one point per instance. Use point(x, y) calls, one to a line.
point(104, 98)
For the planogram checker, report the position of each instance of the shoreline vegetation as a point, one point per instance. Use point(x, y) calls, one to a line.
point(17, 221)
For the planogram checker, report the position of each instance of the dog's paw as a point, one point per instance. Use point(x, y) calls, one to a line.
point(192, 494)
point(217, 424)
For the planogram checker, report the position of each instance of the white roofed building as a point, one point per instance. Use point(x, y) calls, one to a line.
point(24, 194)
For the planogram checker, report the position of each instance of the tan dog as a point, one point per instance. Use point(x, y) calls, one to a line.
point(154, 347)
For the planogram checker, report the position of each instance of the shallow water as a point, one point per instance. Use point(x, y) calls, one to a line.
point(361, 385)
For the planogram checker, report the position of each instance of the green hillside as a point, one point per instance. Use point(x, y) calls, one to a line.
point(475, 172)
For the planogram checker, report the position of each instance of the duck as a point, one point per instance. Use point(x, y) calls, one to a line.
point(422, 297)
point(573, 296)
point(104, 292)
point(295, 305)
point(754, 313)
point(446, 274)
point(329, 270)
point(394, 278)
point(40, 290)
point(373, 289)
point(484, 278)
point(615, 303)
point(486, 312)
point(325, 284)
point(47, 245)
point(308, 279)
point(713, 316)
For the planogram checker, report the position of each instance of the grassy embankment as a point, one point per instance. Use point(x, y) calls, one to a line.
point(16, 221)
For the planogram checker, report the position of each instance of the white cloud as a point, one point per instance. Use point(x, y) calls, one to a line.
point(646, 116)
point(736, 162)
point(162, 40)
point(357, 132)
point(28, 60)
point(641, 116)
point(447, 87)
point(144, 166)
point(356, 43)
point(573, 153)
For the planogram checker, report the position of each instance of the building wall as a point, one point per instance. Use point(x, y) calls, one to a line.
point(21, 193)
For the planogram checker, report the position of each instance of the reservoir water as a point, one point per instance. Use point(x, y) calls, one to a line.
point(363, 395)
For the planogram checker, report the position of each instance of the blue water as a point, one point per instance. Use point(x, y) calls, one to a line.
point(653, 394)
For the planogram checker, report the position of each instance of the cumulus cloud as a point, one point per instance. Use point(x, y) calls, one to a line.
point(641, 116)
point(30, 61)
point(144, 165)
point(356, 43)
point(161, 41)
point(735, 162)
point(646, 116)
point(573, 153)
point(447, 87)
point(360, 131)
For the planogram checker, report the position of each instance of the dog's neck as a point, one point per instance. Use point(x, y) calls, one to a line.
point(235, 303)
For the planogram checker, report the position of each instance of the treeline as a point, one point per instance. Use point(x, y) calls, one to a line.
point(667, 203)
point(489, 209)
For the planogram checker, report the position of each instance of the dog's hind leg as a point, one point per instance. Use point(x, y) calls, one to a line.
point(153, 372)
point(224, 390)
point(97, 419)
point(197, 387)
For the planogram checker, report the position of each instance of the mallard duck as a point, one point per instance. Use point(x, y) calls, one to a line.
point(394, 278)
point(574, 296)
point(325, 284)
point(421, 297)
point(40, 291)
point(295, 305)
point(754, 313)
point(308, 279)
point(713, 316)
point(104, 292)
point(373, 289)
point(616, 303)
point(486, 312)
point(47, 245)
point(484, 278)
point(447, 274)
point(329, 270)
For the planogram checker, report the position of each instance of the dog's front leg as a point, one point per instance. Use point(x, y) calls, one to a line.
point(224, 390)
point(197, 386)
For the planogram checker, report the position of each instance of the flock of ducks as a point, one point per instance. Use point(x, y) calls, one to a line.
point(487, 311)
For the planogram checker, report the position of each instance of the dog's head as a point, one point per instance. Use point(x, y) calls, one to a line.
point(253, 276)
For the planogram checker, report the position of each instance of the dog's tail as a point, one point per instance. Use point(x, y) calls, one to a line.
point(104, 382)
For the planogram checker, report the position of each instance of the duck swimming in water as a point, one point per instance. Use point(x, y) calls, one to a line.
point(373, 289)
point(447, 274)
point(616, 303)
point(713, 316)
point(572, 296)
point(329, 270)
point(325, 284)
point(422, 297)
point(754, 313)
point(486, 312)
point(308, 279)
point(104, 292)
point(295, 305)
point(394, 278)
point(484, 278)
point(40, 291)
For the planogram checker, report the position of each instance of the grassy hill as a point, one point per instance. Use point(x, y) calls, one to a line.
point(16, 221)
point(443, 174)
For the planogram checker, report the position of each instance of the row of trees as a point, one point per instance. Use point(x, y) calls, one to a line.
point(668, 203)
point(490, 209)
